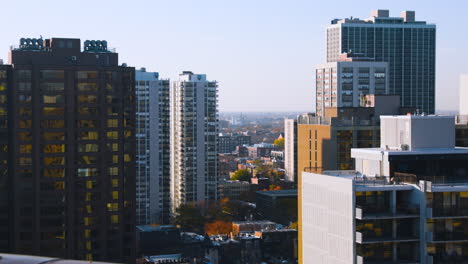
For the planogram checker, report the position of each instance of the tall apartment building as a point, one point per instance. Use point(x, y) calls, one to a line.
point(405, 203)
point(194, 139)
point(153, 151)
point(407, 45)
point(290, 143)
point(341, 83)
point(68, 149)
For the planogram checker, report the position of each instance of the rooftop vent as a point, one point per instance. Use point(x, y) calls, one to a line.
point(95, 46)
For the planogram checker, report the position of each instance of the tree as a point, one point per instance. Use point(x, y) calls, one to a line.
point(189, 218)
point(218, 227)
point(279, 142)
point(241, 175)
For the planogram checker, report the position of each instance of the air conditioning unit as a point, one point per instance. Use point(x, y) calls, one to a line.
point(404, 147)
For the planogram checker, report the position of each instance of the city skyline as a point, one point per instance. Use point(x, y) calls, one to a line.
point(254, 50)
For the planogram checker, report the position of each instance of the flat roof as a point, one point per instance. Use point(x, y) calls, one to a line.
point(26, 259)
point(150, 228)
point(279, 193)
point(425, 151)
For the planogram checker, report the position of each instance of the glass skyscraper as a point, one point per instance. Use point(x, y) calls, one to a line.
point(407, 45)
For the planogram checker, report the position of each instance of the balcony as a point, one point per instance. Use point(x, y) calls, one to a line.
point(446, 236)
point(367, 237)
point(407, 211)
point(447, 212)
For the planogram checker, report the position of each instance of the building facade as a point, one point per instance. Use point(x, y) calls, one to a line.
point(153, 151)
point(407, 45)
point(68, 118)
point(405, 203)
point(228, 143)
point(341, 83)
point(194, 139)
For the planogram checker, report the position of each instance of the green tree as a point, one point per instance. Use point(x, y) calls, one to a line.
point(241, 175)
point(279, 142)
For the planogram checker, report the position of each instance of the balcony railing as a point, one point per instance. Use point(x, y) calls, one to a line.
point(365, 237)
point(384, 212)
point(384, 260)
point(447, 212)
point(446, 236)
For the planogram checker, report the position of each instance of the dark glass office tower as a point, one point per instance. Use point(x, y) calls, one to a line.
point(67, 151)
point(406, 44)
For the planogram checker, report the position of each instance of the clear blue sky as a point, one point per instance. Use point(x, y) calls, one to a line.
point(262, 52)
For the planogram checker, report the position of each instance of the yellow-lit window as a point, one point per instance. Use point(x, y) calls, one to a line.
point(54, 161)
point(113, 146)
point(110, 99)
point(53, 123)
point(88, 111)
point(127, 158)
point(89, 209)
point(24, 161)
point(89, 257)
point(87, 233)
point(53, 111)
point(54, 148)
point(87, 221)
point(128, 133)
point(112, 122)
point(87, 99)
point(3, 99)
point(53, 136)
point(89, 184)
point(25, 148)
point(115, 158)
point(115, 195)
point(112, 135)
point(60, 185)
point(88, 135)
point(87, 123)
point(113, 171)
point(3, 86)
point(114, 219)
point(86, 75)
point(53, 99)
point(25, 123)
point(112, 207)
point(109, 87)
point(25, 111)
point(115, 183)
point(87, 87)
point(88, 160)
point(4, 148)
point(54, 173)
point(88, 148)
point(88, 196)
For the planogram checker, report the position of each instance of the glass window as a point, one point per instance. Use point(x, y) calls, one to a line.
point(115, 158)
point(87, 75)
point(110, 99)
point(113, 171)
point(24, 98)
point(54, 148)
point(113, 146)
point(87, 87)
point(24, 161)
point(25, 111)
point(3, 99)
point(88, 135)
point(87, 123)
point(53, 99)
point(24, 136)
point(88, 111)
point(53, 173)
point(127, 158)
point(115, 195)
point(24, 86)
point(113, 111)
point(52, 74)
point(54, 161)
point(25, 123)
point(88, 160)
point(113, 207)
point(115, 183)
point(87, 172)
point(112, 135)
point(88, 148)
point(52, 87)
point(53, 123)
point(52, 136)
point(53, 111)
point(3, 74)
point(87, 99)
point(114, 219)
point(25, 148)
point(24, 74)
point(112, 123)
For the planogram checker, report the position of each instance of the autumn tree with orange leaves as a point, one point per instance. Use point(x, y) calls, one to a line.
point(218, 228)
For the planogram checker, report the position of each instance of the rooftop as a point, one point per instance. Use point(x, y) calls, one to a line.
point(279, 193)
point(151, 228)
point(25, 259)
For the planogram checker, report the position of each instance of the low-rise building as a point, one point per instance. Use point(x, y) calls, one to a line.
point(278, 206)
point(233, 189)
point(239, 227)
point(227, 143)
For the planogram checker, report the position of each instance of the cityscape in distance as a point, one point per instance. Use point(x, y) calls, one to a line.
point(105, 160)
